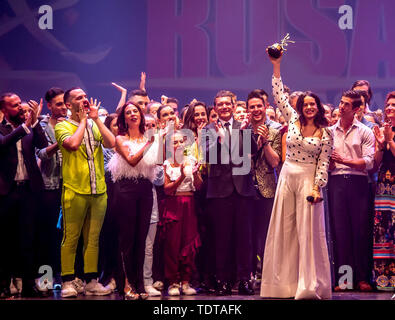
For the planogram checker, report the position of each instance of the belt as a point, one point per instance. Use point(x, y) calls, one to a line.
point(348, 176)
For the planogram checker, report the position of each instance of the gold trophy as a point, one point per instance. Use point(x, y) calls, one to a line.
point(276, 50)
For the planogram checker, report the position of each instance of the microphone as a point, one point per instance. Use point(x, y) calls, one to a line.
point(311, 199)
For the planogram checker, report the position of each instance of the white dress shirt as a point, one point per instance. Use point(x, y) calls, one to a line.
point(357, 143)
point(21, 171)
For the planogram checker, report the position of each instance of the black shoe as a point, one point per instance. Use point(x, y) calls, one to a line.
point(223, 288)
point(204, 288)
point(5, 293)
point(245, 288)
point(33, 292)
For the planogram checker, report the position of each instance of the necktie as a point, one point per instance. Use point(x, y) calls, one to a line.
point(227, 125)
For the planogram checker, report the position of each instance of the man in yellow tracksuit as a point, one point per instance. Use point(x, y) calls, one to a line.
point(84, 197)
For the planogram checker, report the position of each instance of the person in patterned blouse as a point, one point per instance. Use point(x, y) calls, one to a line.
point(296, 262)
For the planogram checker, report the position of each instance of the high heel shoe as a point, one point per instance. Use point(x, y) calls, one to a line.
point(131, 294)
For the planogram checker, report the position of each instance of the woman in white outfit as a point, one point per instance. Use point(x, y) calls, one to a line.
point(296, 260)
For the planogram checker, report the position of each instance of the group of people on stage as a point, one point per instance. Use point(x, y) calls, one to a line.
point(153, 200)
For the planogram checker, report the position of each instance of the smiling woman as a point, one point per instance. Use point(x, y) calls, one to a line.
point(298, 208)
point(133, 170)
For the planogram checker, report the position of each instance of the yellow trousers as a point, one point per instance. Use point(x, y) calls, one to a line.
point(81, 213)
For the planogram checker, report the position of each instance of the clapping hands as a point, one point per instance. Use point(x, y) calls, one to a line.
point(34, 112)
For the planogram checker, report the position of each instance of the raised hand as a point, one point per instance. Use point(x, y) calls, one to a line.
point(143, 78)
point(274, 60)
point(120, 88)
point(246, 121)
point(379, 137)
point(94, 109)
point(263, 132)
point(35, 110)
point(182, 170)
point(200, 127)
point(196, 168)
point(388, 133)
point(163, 99)
point(82, 114)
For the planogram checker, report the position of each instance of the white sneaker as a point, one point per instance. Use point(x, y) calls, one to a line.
point(13, 288)
point(152, 292)
point(18, 284)
point(79, 285)
point(44, 285)
point(68, 290)
point(158, 285)
point(112, 285)
point(187, 290)
point(95, 288)
point(174, 290)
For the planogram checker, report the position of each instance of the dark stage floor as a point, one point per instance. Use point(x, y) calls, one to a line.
point(352, 295)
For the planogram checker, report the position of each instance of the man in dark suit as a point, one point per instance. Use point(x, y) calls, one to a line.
point(230, 191)
point(20, 187)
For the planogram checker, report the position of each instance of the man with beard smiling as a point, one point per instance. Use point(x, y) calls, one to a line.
point(267, 135)
point(20, 187)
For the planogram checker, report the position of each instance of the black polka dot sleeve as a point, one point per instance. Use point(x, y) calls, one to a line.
point(321, 171)
point(281, 100)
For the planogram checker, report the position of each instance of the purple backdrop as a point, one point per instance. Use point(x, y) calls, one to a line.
point(191, 49)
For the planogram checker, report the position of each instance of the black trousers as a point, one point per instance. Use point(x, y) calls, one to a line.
point(48, 235)
point(261, 213)
point(231, 217)
point(133, 200)
point(206, 254)
point(348, 197)
point(18, 217)
point(108, 253)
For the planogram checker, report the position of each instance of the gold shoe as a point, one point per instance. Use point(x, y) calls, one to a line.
point(131, 295)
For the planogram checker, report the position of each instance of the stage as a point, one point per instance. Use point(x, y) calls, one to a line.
point(352, 295)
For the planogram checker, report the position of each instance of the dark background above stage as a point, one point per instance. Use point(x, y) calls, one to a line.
point(191, 49)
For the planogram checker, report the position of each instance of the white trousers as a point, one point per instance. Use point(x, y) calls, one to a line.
point(149, 254)
point(296, 262)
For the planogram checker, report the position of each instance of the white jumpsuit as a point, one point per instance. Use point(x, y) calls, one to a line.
point(296, 262)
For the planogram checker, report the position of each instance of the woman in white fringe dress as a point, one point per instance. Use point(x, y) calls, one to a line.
point(296, 262)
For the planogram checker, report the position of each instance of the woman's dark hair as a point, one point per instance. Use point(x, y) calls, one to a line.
point(189, 121)
point(109, 119)
point(320, 119)
point(183, 111)
point(160, 109)
point(121, 122)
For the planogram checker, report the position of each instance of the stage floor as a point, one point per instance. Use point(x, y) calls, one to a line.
point(352, 295)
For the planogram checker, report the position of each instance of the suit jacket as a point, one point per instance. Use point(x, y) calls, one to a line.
point(264, 174)
point(9, 155)
point(222, 177)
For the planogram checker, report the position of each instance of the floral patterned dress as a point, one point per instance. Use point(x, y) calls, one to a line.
point(384, 225)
